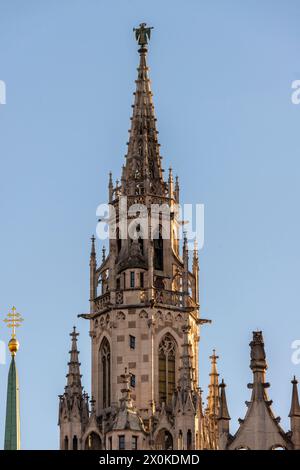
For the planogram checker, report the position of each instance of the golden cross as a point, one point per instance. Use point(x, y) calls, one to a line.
point(13, 320)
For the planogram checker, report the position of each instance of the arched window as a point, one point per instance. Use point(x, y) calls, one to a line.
point(164, 440)
point(75, 443)
point(158, 245)
point(66, 443)
point(180, 440)
point(167, 351)
point(175, 243)
point(93, 442)
point(104, 376)
point(189, 440)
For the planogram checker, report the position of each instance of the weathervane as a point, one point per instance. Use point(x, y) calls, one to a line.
point(13, 320)
point(142, 34)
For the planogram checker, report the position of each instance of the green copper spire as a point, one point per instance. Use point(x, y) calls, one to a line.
point(12, 422)
point(12, 439)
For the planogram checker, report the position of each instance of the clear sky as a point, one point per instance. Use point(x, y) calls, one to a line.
point(221, 75)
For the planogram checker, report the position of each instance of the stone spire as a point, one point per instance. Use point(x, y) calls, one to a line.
point(223, 418)
point(223, 409)
point(295, 407)
point(93, 267)
point(212, 410)
point(73, 377)
point(12, 438)
point(73, 404)
point(195, 285)
point(260, 429)
point(213, 396)
point(143, 172)
point(186, 369)
point(294, 415)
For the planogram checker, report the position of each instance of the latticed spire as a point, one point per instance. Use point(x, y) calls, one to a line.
point(73, 377)
point(186, 369)
point(143, 172)
point(213, 395)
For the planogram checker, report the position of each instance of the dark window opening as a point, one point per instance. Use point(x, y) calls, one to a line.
point(132, 280)
point(121, 442)
point(189, 440)
point(132, 380)
point(119, 241)
point(134, 443)
point(75, 443)
point(158, 244)
point(132, 342)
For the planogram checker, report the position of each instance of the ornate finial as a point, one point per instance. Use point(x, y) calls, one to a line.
point(142, 34)
point(74, 333)
point(214, 357)
point(13, 320)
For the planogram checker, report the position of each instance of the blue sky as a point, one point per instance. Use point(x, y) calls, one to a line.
point(221, 75)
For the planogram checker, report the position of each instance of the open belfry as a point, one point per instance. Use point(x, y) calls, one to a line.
point(145, 325)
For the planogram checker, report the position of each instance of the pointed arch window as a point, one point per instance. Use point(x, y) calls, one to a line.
point(167, 353)
point(105, 371)
point(189, 440)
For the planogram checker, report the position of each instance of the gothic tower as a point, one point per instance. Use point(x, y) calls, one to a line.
point(145, 323)
point(73, 404)
point(144, 304)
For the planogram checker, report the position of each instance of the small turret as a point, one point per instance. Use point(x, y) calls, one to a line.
point(260, 429)
point(110, 188)
point(170, 184)
point(223, 417)
point(185, 257)
point(213, 396)
point(73, 404)
point(93, 282)
point(196, 273)
point(176, 193)
point(294, 415)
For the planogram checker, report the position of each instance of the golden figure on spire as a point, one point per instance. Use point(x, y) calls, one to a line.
point(142, 34)
point(13, 320)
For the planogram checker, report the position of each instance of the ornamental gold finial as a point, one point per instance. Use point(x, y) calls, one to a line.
point(13, 320)
point(142, 34)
